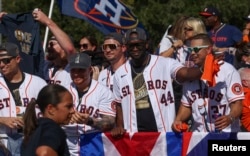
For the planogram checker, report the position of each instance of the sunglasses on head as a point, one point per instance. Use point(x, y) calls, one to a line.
point(140, 45)
point(196, 49)
point(111, 46)
point(188, 29)
point(6, 60)
point(85, 46)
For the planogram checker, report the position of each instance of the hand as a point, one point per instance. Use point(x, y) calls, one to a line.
point(222, 122)
point(96, 72)
point(117, 132)
point(2, 14)
point(80, 118)
point(178, 43)
point(13, 122)
point(176, 126)
point(40, 16)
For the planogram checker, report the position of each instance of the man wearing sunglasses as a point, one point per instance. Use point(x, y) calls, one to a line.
point(114, 49)
point(143, 86)
point(60, 47)
point(213, 107)
point(16, 90)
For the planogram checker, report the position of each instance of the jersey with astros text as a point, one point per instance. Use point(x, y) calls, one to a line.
point(209, 102)
point(28, 89)
point(158, 76)
point(98, 100)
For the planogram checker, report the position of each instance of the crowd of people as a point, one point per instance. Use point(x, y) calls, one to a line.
point(197, 81)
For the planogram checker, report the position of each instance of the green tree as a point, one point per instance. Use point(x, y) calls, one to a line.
point(155, 15)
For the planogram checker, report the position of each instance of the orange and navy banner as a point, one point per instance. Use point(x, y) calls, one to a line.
point(106, 15)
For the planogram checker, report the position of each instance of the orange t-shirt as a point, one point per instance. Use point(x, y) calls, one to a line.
point(245, 116)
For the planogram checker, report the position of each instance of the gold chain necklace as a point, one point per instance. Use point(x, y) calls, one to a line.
point(133, 69)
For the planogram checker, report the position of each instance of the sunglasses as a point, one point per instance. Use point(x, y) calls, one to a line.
point(110, 46)
point(196, 49)
point(140, 45)
point(6, 60)
point(85, 46)
point(188, 29)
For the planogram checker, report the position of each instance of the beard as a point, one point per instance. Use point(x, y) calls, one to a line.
point(52, 54)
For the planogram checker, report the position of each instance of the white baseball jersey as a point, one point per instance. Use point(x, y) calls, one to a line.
point(28, 89)
point(217, 99)
point(98, 100)
point(158, 78)
point(106, 78)
point(62, 76)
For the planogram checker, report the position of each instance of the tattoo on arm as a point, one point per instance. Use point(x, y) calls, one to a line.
point(105, 123)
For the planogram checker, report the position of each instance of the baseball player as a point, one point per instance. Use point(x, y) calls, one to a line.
point(214, 108)
point(94, 103)
point(16, 91)
point(56, 66)
point(143, 86)
point(114, 51)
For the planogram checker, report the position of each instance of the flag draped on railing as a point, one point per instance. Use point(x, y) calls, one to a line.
point(162, 144)
point(106, 15)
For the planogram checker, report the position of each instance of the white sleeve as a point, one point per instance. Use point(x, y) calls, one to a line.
point(235, 90)
point(165, 44)
point(116, 89)
point(174, 66)
point(184, 98)
point(106, 102)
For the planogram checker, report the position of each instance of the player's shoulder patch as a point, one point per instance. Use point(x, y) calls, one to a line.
point(237, 89)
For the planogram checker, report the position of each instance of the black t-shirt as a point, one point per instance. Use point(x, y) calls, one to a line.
point(14, 89)
point(48, 133)
point(146, 121)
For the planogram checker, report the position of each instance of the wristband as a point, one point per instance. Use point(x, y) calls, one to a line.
point(90, 121)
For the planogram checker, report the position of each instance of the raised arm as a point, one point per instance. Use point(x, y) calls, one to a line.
point(62, 38)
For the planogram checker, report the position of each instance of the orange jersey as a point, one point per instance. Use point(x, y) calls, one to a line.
point(245, 117)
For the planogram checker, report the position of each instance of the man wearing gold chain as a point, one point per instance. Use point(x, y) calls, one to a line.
point(143, 86)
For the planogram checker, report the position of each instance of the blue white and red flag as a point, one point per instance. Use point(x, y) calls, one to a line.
point(131, 144)
point(106, 15)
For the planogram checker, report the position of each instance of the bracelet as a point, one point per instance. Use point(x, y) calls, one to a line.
point(90, 121)
point(174, 47)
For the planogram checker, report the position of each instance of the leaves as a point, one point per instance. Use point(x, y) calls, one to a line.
point(155, 15)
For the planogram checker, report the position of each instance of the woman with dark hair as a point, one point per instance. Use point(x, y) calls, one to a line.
point(44, 136)
point(88, 43)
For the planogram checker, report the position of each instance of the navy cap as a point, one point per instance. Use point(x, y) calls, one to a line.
point(9, 49)
point(210, 11)
point(79, 60)
point(116, 36)
point(141, 34)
